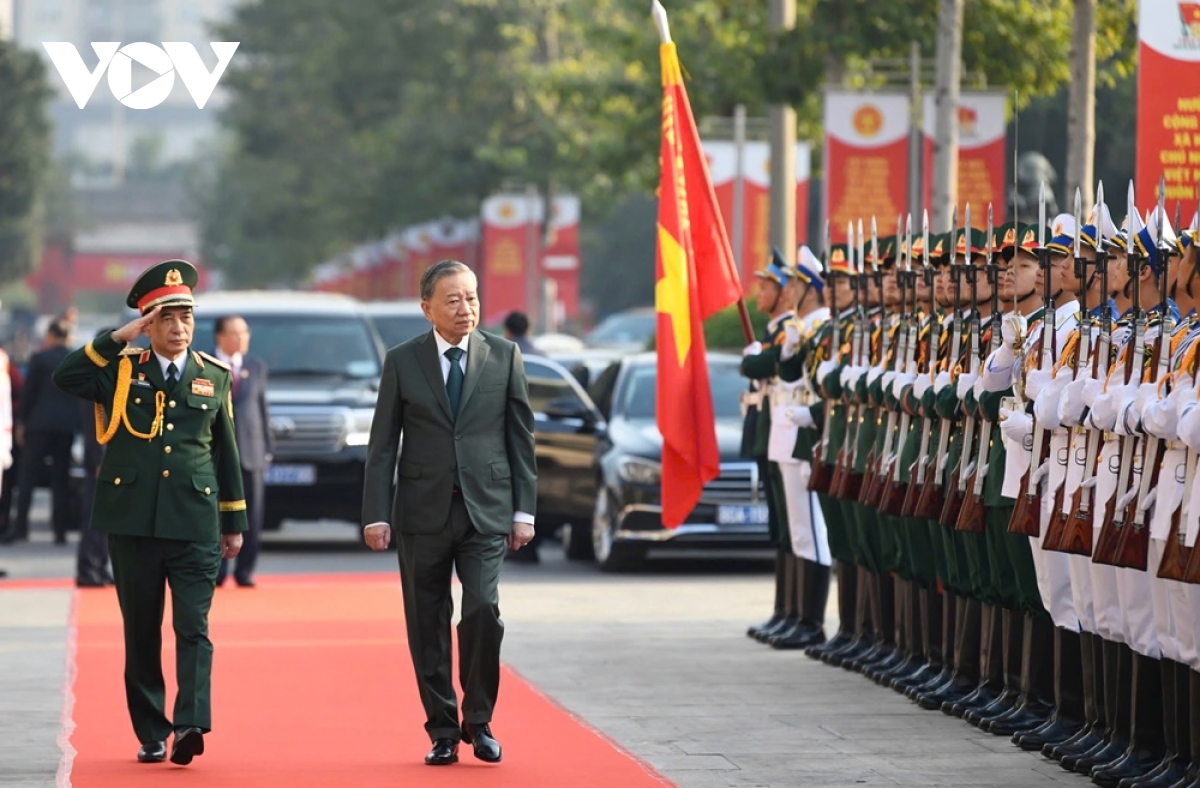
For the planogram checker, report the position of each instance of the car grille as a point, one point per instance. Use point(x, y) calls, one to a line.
point(738, 483)
point(304, 431)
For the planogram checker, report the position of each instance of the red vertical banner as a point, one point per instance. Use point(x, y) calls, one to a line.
point(560, 258)
point(756, 197)
point(1168, 112)
point(511, 223)
point(866, 158)
point(981, 153)
point(419, 244)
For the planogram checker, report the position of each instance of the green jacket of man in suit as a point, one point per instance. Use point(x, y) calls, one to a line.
point(451, 468)
point(169, 496)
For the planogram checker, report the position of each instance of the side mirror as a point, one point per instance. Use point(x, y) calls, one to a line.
point(568, 408)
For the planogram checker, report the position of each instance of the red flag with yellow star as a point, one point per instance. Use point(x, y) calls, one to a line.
point(696, 276)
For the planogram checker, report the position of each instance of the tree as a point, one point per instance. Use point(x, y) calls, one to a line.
point(24, 156)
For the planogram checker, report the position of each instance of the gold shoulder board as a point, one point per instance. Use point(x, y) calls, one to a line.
point(214, 360)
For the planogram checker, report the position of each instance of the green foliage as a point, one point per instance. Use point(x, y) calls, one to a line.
point(24, 156)
point(723, 331)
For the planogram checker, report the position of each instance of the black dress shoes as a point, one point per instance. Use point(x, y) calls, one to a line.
point(90, 581)
point(444, 753)
point(487, 749)
point(189, 742)
point(245, 582)
point(153, 752)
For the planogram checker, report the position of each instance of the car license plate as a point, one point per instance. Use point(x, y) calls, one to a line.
point(291, 475)
point(741, 515)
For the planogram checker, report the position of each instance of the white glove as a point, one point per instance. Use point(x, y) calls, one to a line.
point(6, 460)
point(1071, 405)
point(1013, 328)
point(873, 374)
point(1045, 407)
point(1036, 381)
point(1189, 427)
point(888, 377)
point(1108, 405)
point(824, 369)
point(1015, 426)
point(921, 384)
point(1092, 388)
point(1146, 393)
point(902, 380)
point(941, 381)
point(1160, 417)
point(979, 388)
point(753, 349)
point(966, 382)
point(791, 342)
point(800, 416)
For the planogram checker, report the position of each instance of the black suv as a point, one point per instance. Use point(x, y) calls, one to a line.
point(324, 359)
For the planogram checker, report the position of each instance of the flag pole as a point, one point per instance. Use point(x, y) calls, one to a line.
point(664, 34)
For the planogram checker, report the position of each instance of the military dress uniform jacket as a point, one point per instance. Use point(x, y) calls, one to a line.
point(171, 469)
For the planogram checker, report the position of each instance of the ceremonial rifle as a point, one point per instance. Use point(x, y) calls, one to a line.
point(1133, 548)
point(1026, 516)
point(850, 483)
point(1059, 519)
point(919, 471)
point(957, 504)
point(822, 474)
point(896, 489)
point(973, 518)
point(1114, 517)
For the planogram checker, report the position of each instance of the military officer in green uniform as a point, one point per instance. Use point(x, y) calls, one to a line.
point(169, 496)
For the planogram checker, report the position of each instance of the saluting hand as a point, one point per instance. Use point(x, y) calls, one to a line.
point(136, 327)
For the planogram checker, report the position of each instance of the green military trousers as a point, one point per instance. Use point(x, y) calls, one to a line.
point(143, 566)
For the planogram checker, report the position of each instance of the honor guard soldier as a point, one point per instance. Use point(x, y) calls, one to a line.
point(169, 496)
point(760, 361)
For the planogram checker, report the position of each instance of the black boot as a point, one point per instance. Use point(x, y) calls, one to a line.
point(1037, 682)
point(1118, 709)
point(1067, 719)
point(1093, 730)
point(791, 613)
point(1146, 745)
point(878, 586)
point(864, 631)
point(1012, 638)
point(991, 665)
point(847, 588)
point(777, 615)
point(915, 660)
point(1175, 718)
point(947, 612)
point(814, 597)
point(966, 658)
point(883, 672)
point(929, 621)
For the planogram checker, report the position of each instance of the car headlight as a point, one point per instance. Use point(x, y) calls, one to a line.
point(639, 470)
point(358, 426)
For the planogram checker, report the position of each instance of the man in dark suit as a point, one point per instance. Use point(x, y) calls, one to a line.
point(46, 422)
point(464, 492)
point(91, 554)
point(252, 424)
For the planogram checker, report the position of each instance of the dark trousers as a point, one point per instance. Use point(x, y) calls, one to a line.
point(426, 562)
point(247, 560)
point(143, 566)
point(91, 556)
point(49, 450)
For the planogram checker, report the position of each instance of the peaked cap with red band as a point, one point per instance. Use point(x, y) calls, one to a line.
point(169, 283)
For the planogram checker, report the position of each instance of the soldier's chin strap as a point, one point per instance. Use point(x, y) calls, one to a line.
point(119, 414)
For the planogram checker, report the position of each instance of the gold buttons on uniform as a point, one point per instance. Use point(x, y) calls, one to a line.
point(137, 401)
point(207, 490)
point(167, 450)
point(170, 426)
point(204, 406)
point(166, 474)
point(117, 480)
point(171, 403)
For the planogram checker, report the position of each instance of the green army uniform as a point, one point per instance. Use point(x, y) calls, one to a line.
point(169, 486)
point(764, 367)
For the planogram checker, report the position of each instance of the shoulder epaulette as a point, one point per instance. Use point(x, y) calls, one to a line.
point(212, 359)
point(130, 350)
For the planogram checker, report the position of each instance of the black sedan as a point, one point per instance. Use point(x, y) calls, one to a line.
point(627, 510)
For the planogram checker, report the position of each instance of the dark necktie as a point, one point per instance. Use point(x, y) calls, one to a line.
point(172, 376)
point(454, 381)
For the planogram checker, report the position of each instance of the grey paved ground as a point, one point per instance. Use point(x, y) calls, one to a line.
point(657, 661)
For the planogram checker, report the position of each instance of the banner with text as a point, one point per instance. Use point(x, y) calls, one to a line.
point(866, 158)
point(511, 229)
point(981, 155)
point(1168, 130)
point(756, 197)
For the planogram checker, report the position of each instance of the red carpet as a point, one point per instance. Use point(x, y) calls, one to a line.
point(313, 686)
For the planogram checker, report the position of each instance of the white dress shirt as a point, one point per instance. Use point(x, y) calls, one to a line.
point(442, 346)
point(180, 362)
point(234, 361)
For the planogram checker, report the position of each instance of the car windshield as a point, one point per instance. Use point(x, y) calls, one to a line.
point(305, 344)
point(394, 329)
point(637, 397)
point(624, 329)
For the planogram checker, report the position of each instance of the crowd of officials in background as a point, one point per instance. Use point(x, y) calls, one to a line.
point(40, 424)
